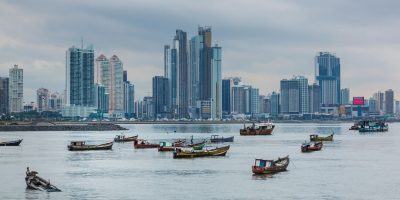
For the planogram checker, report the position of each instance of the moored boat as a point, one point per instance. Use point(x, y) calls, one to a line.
point(316, 138)
point(262, 166)
point(191, 153)
point(261, 129)
point(170, 146)
point(373, 126)
point(123, 138)
point(355, 126)
point(82, 146)
point(217, 139)
point(11, 143)
point(35, 182)
point(311, 146)
point(144, 144)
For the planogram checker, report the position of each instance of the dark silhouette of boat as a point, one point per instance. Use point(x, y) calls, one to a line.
point(191, 153)
point(34, 182)
point(217, 139)
point(311, 146)
point(262, 166)
point(82, 146)
point(123, 138)
point(316, 138)
point(261, 129)
point(11, 143)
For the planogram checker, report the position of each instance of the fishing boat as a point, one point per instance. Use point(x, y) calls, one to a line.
point(270, 166)
point(373, 126)
point(316, 138)
point(262, 129)
point(34, 182)
point(311, 146)
point(355, 126)
point(11, 143)
point(217, 139)
point(82, 146)
point(170, 146)
point(123, 138)
point(144, 144)
point(191, 153)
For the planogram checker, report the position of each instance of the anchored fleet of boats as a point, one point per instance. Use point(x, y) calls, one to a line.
point(183, 149)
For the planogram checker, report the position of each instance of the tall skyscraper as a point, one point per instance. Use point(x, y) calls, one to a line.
point(389, 102)
point(4, 95)
point(16, 89)
point(205, 56)
point(180, 43)
point(275, 104)
point(195, 47)
point(101, 98)
point(254, 100)
point(161, 96)
point(216, 83)
point(380, 101)
point(55, 102)
point(226, 96)
point(173, 81)
point(167, 61)
point(42, 99)
point(304, 106)
point(238, 99)
point(129, 99)
point(290, 96)
point(314, 98)
point(327, 76)
point(79, 86)
point(345, 96)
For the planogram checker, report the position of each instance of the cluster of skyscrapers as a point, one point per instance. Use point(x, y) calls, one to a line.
point(12, 91)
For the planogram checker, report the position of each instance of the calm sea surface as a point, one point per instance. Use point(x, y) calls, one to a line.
point(354, 166)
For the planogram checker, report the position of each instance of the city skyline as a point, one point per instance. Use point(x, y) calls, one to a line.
point(262, 46)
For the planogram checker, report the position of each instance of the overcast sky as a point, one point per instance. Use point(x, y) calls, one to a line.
point(262, 41)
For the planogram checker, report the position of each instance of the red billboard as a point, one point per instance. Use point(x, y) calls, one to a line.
point(358, 101)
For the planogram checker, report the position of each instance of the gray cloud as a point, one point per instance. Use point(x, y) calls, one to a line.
point(263, 41)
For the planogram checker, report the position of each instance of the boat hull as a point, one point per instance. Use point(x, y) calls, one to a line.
point(127, 139)
point(250, 131)
point(274, 169)
point(146, 146)
point(320, 139)
point(34, 182)
point(308, 148)
point(106, 146)
point(11, 143)
point(205, 153)
point(220, 140)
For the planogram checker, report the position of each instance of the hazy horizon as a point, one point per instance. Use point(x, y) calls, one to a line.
point(262, 41)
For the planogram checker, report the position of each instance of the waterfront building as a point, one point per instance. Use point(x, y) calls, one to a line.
point(4, 104)
point(161, 97)
point(205, 57)
point(275, 104)
point(397, 108)
point(327, 76)
point(101, 99)
point(73, 110)
point(195, 47)
point(180, 44)
point(290, 96)
point(55, 102)
point(79, 86)
point(373, 106)
point(129, 99)
point(380, 101)
point(216, 83)
point(167, 61)
point(116, 87)
point(389, 102)
point(226, 95)
point(254, 100)
point(147, 108)
point(238, 99)
point(42, 99)
point(304, 104)
point(314, 98)
point(345, 96)
point(16, 89)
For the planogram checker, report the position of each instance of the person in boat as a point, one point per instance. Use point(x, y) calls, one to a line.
point(142, 142)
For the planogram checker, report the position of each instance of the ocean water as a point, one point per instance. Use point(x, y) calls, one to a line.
point(354, 166)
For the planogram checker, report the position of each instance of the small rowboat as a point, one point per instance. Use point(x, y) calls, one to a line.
point(144, 144)
point(11, 143)
point(311, 146)
point(35, 182)
point(316, 138)
point(217, 139)
point(122, 138)
point(191, 153)
point(270, 166)
point(82, 146)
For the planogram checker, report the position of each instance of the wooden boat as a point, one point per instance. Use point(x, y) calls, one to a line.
point(191, 153)
point(35, 182)
point(82, 146)
point(144, 144)
point(170, 146)
point(270, 166)
point(316, 138)
point(373, 126)
point(311, 146)
point(217, 139)
point(11, 143)
point(355, 126)
point(123, 138)
point(262, 129)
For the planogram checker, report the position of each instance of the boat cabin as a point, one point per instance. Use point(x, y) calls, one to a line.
point(263, 163)
point(314, 136)
point(166, 144)
point(78, 143)
point(214, 136)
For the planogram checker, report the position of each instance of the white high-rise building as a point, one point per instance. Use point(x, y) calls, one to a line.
point(16, 89)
